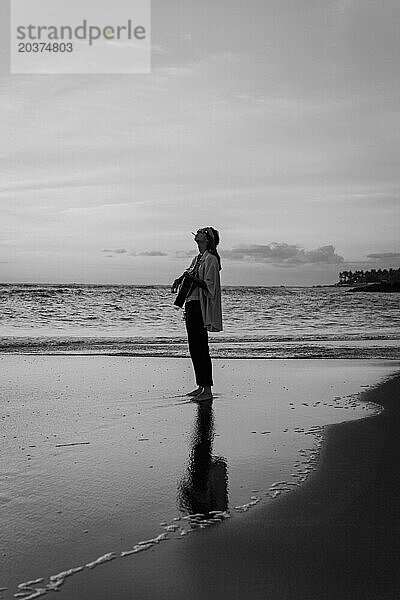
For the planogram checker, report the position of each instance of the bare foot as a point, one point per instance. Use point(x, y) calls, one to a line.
point(196, 392)
point(206, 394)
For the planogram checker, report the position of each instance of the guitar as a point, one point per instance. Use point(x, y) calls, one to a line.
point(184, 290)
point(187, 283)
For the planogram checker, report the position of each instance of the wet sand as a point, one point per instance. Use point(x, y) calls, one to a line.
point(334, 536)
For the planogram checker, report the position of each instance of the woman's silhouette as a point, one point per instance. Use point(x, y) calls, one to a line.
point(203, 311)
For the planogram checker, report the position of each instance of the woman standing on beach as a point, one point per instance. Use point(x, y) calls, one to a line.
point(203, 311)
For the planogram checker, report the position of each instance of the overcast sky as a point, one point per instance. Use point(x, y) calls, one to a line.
point(275, 121)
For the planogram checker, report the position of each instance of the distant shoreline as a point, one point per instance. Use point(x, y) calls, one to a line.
point(372, 287)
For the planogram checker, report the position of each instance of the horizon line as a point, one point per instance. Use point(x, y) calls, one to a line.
point(157, 284)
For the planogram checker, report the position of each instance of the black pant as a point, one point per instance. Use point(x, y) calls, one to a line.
point(198, 343)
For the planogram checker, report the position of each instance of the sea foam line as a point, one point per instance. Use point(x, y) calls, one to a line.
point(27, 591)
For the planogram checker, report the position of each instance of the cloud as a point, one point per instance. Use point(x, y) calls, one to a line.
point(46, 184)
point(385, 255)
point(116, 251)
point(184, 253)
point(196, 67)
point(112, 253)
point(390, 260)
point(283, 254)
point(171, 72)
point(149, 253)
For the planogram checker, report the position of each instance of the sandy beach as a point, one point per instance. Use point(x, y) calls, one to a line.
point(294, 466)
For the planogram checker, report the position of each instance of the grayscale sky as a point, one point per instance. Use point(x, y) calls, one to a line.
point(275, 121)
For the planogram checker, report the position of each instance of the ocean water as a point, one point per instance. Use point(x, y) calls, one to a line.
point(142, 321)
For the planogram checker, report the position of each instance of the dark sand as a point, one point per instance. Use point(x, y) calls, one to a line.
point(337, 538)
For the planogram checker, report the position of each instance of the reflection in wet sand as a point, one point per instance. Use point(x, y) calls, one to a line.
point(204, 487)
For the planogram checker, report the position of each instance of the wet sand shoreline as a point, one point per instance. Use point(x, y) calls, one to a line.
point(335, 537)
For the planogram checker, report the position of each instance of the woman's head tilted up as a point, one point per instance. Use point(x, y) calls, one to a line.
point(208, 237)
